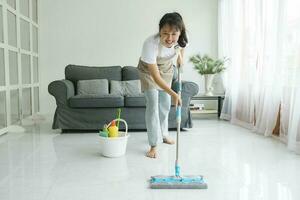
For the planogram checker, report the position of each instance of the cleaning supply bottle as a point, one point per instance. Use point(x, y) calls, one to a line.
point(104, 132)
point(113, 130)
point(105, 128)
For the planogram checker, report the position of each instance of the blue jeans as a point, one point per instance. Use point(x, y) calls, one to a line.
point(158, 104)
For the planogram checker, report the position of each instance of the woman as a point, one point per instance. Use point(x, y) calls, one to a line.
point(156, 73)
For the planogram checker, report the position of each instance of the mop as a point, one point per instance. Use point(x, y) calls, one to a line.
point(178, 181)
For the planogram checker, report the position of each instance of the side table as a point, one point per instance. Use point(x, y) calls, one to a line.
point(216, 97)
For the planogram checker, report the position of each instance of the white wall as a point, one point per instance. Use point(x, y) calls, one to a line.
point(111, 32)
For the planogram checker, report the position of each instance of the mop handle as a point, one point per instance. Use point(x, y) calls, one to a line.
point(178, 120)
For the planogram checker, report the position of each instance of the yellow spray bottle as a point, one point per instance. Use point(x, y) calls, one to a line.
point(113, 130)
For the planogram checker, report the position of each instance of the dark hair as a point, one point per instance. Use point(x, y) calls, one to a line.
point(175, 20)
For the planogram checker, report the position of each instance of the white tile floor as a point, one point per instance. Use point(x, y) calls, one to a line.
point(44, 164)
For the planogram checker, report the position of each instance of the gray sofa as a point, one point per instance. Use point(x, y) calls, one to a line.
point(91, 112)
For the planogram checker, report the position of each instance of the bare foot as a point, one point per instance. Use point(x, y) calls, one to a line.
point(152, 153)
point(168, 140)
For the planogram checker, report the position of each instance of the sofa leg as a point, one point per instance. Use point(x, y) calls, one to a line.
point(63, 130)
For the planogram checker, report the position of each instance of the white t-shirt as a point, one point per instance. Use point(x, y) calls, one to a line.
point(152, 49)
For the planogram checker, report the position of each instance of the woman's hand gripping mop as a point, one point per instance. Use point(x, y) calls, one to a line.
point(178, 181)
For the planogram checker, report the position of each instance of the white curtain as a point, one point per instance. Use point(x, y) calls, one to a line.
point(239, 102)
point(255, 36)
point(290, 109)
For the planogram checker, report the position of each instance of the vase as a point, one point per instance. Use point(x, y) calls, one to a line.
point(208, 84)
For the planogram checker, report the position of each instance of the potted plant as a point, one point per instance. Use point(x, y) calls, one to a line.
point(208, 67)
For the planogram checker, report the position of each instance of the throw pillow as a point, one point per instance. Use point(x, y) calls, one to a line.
point(125, 88)
point(94, 86)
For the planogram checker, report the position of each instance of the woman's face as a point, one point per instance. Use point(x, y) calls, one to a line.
point(169, 35)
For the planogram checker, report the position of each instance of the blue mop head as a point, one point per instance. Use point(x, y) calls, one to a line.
point(178, 182)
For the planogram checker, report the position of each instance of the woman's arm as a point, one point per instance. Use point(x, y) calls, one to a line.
point(154, 72)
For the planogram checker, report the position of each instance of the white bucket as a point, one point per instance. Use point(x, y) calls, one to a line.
point(115, 146)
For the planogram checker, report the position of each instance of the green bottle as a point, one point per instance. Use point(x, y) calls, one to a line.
point(104, 132)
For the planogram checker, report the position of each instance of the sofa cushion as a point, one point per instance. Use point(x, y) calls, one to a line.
point(125, 88)
point(94, 86)
point(135, 101)
point(75, 73)
point(96, 101)
point(130, 73)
